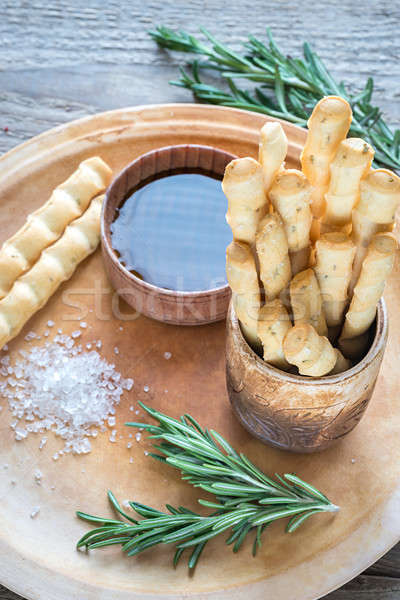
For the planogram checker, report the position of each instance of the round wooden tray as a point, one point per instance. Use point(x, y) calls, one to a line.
point(37, 556)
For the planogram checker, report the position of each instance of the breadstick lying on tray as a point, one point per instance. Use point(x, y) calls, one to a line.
point(247, 203)
point(376, 268)
point(273, 256)
point(334, 258)
point(352, 161)
point(375, 212)
point(327, 127)
point(306, 301)
point(272, 151)
point(290, 195)
point(56, 264)
point(273, 325)
point(243, 280)
point(312, 354)
point(43, 227)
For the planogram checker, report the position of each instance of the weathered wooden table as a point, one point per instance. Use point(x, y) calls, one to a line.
point(65, 59)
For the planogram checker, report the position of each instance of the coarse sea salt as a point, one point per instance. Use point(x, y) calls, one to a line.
point(30, 336)
point(35, 512)
point(57, 387)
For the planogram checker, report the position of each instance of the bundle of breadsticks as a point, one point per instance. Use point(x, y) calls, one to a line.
point(312, 248)
point(48, 248)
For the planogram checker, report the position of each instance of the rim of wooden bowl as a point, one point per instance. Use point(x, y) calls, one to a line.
point(377, 343)
point(106, 223)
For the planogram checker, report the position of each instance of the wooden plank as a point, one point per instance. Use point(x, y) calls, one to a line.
point(367, 587)
point(96, 59)
point(29, 104)
point(388, 565)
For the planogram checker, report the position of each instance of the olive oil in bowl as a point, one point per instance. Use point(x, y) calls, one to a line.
point(171, 231)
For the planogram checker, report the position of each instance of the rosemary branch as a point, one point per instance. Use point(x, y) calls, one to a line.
point(296, 85)
point(246, 500)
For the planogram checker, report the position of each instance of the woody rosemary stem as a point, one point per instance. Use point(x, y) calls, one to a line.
point(288, 87)
point(245, 501)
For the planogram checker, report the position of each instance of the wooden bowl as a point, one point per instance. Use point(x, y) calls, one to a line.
point(293, 412)
point(169, 306)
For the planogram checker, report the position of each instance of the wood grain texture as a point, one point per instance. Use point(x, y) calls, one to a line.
point(68, 59)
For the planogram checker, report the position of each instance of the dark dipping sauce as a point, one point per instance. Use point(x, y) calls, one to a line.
point(171, 231)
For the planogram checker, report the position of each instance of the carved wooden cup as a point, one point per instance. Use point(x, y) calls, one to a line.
point(293, 412)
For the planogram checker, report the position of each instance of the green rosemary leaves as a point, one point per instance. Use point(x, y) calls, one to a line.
point(246, 500)
point(288, 87)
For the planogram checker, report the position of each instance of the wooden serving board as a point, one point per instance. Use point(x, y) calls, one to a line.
point(37, 556)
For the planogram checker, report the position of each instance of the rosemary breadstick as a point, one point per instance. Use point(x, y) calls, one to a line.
point(327, 127)
point(273, 256)
point(290, 195)
point(352, 161)
point(56, 264)
point(334, 258)
point(311, 353)
point(242, 277)
point(376, 268)
point(306, 301)
point(272, 151)
point(43, 227)
point(375, 212)
point(247, 203)
point(342, 363)
point(273, 325)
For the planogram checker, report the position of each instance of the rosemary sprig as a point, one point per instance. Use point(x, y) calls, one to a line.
point(296, 85)
point(246, 500)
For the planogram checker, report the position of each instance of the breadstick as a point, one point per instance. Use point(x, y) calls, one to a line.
point(376, 268)
point(242, 277)
point(272, 252)
point(272, 151)
point(306, 301)
point(43, 227)
point(334, 258)
point(342, 363)
point(273, 325)
point(290, 195)
point(327, 127)
point(352, 161)
point(56, 264)
point(375, 212)
point(247, 203)
point(311, 353)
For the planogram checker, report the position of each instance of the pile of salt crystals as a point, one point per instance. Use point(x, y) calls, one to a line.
point(59, 387)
